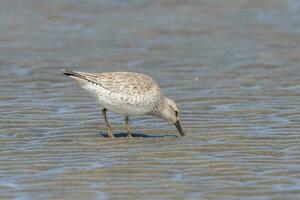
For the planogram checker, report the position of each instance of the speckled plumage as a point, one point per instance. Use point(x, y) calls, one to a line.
point(128, 93)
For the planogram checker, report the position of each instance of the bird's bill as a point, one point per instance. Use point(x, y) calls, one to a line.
point(178, 126)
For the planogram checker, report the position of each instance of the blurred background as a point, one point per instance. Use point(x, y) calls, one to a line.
point(231, 65)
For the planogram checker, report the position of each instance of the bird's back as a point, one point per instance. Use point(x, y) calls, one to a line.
point(127, 82)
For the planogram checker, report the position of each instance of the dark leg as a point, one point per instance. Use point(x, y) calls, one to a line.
point(127, 126)
point(109, 131)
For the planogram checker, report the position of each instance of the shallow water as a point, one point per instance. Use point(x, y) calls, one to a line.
point(233, 66)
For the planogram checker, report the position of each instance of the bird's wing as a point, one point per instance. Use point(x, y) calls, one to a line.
point(121, 82)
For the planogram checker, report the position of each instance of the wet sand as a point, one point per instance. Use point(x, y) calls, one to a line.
point(233, 66)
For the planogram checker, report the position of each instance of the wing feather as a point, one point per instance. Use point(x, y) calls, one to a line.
point(122, 82)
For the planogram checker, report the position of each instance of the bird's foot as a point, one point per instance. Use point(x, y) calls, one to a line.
point(128, 132)
point(109, 133)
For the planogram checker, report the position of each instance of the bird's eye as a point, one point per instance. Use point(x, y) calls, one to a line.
point(176, 113)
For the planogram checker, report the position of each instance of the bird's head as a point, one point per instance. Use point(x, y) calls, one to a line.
point(170, 112)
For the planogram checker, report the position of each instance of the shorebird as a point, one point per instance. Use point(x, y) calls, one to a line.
point(129, 94)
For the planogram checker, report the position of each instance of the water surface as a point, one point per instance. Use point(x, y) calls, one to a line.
point(233, 66)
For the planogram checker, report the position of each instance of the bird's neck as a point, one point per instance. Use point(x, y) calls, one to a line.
point(159, 108)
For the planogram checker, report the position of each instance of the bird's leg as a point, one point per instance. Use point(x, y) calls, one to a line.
point(109, 131)
point(127, 126)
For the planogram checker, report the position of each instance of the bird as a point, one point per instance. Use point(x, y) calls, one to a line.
point(128, 94)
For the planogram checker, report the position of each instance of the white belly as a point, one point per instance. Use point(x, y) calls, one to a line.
point(128, 107)
point(120, 103)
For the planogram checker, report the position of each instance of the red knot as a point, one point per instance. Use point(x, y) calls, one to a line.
point(129, 94)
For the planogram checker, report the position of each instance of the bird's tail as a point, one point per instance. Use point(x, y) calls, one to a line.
point(83, 80)
point(71, 73)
